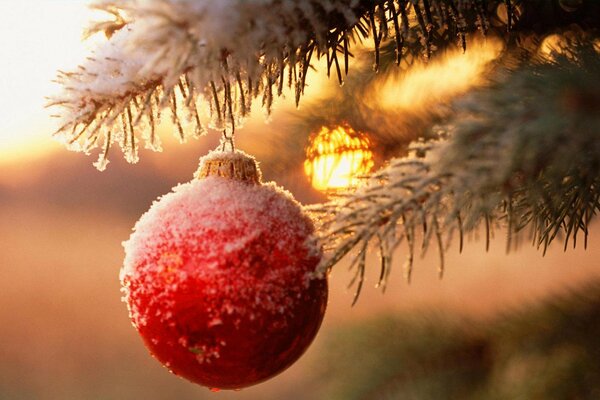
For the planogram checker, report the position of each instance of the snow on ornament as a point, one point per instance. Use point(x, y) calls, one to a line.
point(219, 276)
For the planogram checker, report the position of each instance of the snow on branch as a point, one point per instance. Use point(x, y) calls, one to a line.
point(523, 154)
point(162, 54)
point(187, 56)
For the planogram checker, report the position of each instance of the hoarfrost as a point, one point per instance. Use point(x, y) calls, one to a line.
point(177, 54)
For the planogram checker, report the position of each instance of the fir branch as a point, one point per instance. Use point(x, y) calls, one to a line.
point(229, 53)
point(523, 154)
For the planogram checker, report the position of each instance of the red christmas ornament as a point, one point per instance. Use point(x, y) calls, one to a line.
point(219, 277)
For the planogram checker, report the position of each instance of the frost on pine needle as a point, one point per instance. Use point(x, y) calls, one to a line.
point(530, 166)
point(176, 55)
point(184, 57)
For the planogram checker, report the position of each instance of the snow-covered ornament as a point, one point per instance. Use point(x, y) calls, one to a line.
point(219, 276)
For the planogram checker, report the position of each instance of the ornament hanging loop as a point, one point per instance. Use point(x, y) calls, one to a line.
point(227, 140)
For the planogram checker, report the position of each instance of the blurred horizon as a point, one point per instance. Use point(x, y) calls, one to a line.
point(64, 334)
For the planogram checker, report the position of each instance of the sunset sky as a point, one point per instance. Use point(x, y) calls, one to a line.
point(38, 38)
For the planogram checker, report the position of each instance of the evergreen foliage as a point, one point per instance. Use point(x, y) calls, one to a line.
point(522, 153)
point(548, 351)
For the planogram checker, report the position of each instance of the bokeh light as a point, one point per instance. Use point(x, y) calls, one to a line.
point(438, 81)
point(337, 158)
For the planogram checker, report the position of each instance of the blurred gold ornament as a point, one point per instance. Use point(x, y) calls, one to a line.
point(553, 43)
point(337, 157)
point(502, 13)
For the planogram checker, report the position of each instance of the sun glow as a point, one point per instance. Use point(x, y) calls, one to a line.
point(439, 80)
point(336, 158)
point(39, 37)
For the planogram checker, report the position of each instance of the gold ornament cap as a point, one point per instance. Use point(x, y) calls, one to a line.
point(235, 165)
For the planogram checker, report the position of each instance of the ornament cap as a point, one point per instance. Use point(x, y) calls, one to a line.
point(229, 164)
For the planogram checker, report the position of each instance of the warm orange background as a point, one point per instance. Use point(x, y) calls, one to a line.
point(64, 334)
